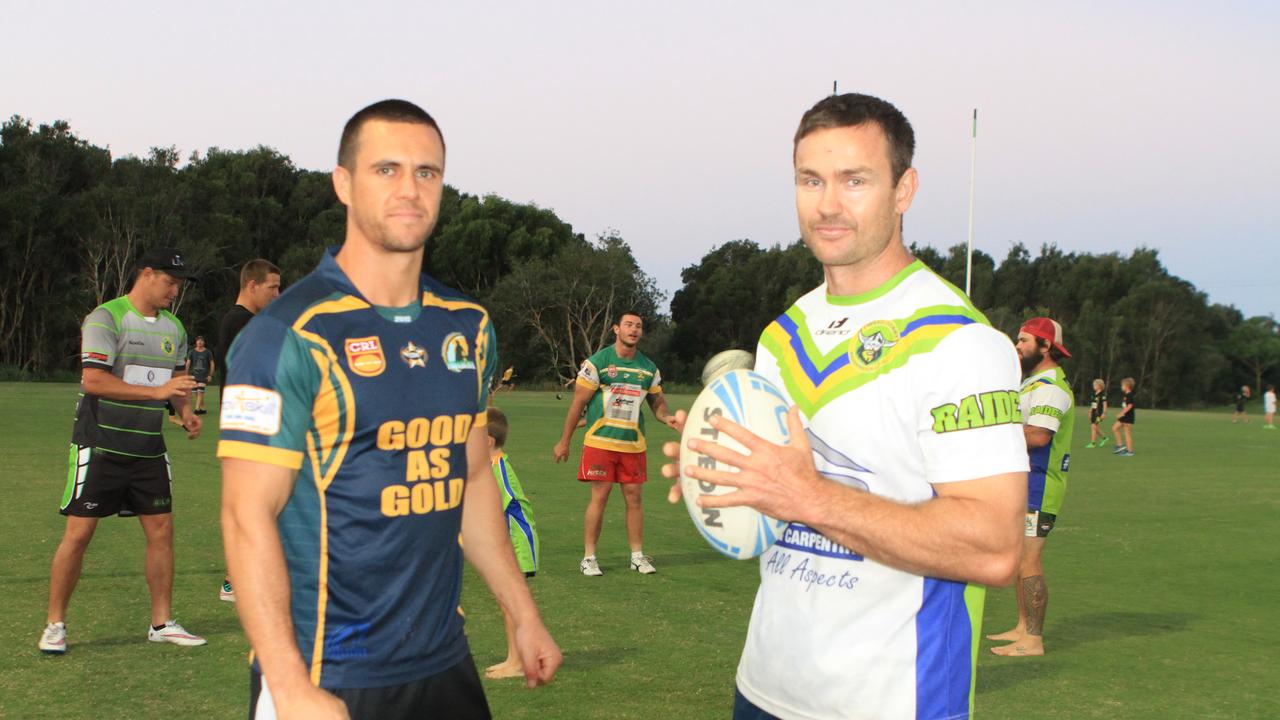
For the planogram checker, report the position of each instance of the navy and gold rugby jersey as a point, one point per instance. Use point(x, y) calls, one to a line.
point(372, 406)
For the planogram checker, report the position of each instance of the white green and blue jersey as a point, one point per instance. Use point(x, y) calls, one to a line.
point(900, 389)
point(140, 350)
point(1045, 401)
point(372, 406)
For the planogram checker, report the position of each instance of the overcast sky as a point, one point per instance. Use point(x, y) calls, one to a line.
point(1100, 128)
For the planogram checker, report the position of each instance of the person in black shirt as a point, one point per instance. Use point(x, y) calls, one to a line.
point(1097, 411)
point(1241, 398)
point(200, 366)
point(1128, 410)
point(259, 285)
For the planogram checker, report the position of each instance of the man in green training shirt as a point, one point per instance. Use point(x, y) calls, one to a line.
point(1048, 415)
point(132, 360)
point(611, 385)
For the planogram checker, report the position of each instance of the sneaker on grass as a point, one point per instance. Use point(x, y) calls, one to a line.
point(1089, 445)
point(642, 564)
point(1120, 450)
point(227, 593)
point(1127, 453)
point(172, 632)
point(590, 567)
point(1102, 442)
point(54, 639)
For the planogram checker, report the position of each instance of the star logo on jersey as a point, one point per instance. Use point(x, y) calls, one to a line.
point(166, 344)
point(457, 353)
point(875, 340)
point(413, 356)
point(364, 356)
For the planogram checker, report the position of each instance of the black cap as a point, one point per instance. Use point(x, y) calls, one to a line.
point(167, 260)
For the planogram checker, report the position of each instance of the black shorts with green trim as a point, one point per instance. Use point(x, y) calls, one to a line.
point(101, 483)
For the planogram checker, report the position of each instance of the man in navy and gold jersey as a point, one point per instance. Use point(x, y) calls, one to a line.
point(132, 357)
point(348, 436)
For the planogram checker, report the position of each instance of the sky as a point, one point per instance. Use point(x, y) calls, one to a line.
point(1102, 126)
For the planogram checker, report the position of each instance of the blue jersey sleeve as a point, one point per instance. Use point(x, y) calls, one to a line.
point(275, 385)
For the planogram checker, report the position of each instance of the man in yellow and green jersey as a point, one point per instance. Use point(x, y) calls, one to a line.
point(611, 386)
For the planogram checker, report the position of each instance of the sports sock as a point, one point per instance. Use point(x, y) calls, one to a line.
point(157, 627)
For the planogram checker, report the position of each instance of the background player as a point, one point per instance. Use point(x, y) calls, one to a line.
point(523, 529)
point(901, 482)
point(201, 367)
point(1097, 411)
point(1242, 397)
point(1048, 416)
point(1269, 408)
point(352, 432)
point(131, 359)
point(259, 285)
point(1128, 415)
point(610, 386)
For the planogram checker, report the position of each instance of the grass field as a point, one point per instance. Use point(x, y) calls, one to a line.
point(1162, 572)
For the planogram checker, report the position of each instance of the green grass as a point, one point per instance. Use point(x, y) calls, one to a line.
point(1162, 573)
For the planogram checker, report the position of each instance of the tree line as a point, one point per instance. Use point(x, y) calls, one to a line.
point(73, 218)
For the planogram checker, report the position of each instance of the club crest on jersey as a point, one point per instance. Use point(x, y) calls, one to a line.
point(413, 356)
point(166, 344)
point(611, 371)
point(456, 353)
point(364, 356)
point(875, 340)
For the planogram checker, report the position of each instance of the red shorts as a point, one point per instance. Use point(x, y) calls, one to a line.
point(612, 466)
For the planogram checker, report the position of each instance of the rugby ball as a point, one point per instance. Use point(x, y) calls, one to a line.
point(753, 402)
point(723, 362)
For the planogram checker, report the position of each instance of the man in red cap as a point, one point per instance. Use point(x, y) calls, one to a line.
point(1048, 415)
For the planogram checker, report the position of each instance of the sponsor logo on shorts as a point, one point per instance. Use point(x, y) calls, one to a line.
point(162, 502)
point(90, 505)
point(596, 470)
point(251, 409)
point(413, 356)
point(457, 353)
point(364, 356)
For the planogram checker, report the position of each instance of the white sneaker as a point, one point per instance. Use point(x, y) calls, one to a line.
point(590, 567)
point(54, 639)
point(227, 593)
point(174, 633)
point(642, 564)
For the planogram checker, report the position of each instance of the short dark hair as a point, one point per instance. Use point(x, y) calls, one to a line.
point(624, 313)
point(256, 271)
point(1054, 353)
point(497, 427)
point(854, 109)
point(199, 338)
point(401, 111)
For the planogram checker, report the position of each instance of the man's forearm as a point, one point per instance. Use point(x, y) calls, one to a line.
point(571, 420)
point(105, 385)
point(255, 562)
point(954, 537)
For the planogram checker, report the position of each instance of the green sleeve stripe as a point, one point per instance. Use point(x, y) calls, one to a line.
point(128, 430)
point(99, 325)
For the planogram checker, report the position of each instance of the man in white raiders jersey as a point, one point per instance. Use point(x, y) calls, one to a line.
point(905, 479)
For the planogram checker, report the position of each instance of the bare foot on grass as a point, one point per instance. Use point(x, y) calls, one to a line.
point(504, 669)
point(1013, 635)
point(1029, 645)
